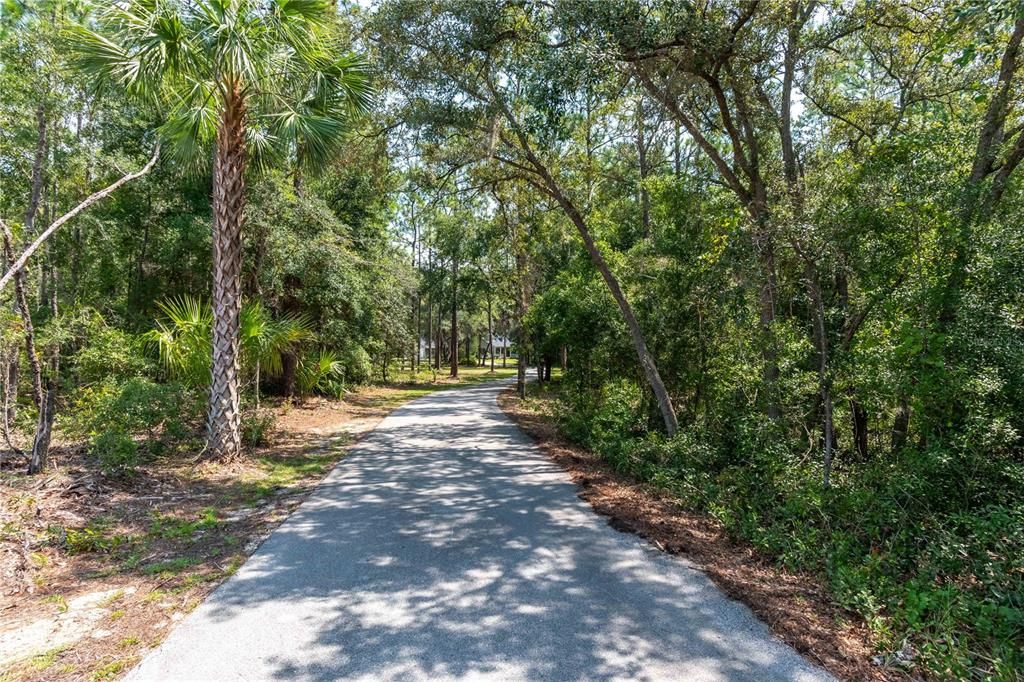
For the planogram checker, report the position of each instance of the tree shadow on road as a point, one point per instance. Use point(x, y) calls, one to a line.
point(446, 546)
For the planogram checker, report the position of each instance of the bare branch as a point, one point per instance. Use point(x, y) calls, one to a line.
point(86, 203)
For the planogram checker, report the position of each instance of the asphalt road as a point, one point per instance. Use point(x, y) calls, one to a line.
point(446, 546)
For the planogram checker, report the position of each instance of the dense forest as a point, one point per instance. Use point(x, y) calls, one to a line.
point(773, 247)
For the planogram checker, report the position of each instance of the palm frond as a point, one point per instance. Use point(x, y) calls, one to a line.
point(184, 339)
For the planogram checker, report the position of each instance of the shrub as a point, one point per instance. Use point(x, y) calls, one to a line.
point(257, 427)
point(107, 352)
point(112, 414)
point(315, 369)
point(928, 548)
point(356, 363)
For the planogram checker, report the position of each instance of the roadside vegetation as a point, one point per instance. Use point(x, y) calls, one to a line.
point(770, 251)
point(100, 565)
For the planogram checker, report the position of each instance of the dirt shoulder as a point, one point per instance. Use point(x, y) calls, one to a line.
point(96, 570)
point(795, 607)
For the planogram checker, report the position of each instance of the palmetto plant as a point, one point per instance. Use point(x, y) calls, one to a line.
point(265, 340)
point(183, 339)
point(252, 78)
point(315, 369)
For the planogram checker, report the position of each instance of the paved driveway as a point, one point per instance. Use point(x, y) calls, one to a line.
point(446, 546)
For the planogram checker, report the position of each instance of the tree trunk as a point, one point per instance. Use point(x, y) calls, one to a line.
point(677, 157)
point(490, 330)
point(520, 313)
point(824, 378)
point(455, 318)
point(21, 304)
point(47, 413)
point(44, 427)
point(414, 363)
point(900, 425)
point(636, 335)
point(859, 416)
point(430, 330)
point(437, 345)
point(647, 362)
point(289, 372)
point(224, 419)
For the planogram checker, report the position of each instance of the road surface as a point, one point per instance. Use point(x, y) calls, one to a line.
point(446, 546)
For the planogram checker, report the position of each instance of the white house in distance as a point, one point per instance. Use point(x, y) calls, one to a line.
point(502, 347)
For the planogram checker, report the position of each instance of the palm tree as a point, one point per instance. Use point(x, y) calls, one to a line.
point(253, 78)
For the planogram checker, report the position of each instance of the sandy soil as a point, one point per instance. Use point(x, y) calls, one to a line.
point(95, 570)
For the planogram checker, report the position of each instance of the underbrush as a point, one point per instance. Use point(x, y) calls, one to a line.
point(125, 421)
point(926, 546)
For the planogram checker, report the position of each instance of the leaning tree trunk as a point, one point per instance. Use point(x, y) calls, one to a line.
point(224, 418)
point(21, 304)
point(647, 362)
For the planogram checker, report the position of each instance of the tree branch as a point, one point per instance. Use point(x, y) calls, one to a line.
point(86, 203)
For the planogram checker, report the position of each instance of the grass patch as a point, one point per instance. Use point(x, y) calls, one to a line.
point(157, 595)
point(112, 599)
point(128, 642)
point(170, 567)
point(45, 660)
point(173, 528)
point(96, 537)
point(110, 670)
point(59, 601)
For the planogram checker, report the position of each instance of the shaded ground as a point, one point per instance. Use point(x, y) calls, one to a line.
point(95, 570)
point(446, 546)
point(795, 607)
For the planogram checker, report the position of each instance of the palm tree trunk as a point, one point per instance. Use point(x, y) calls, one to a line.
point(224, 419)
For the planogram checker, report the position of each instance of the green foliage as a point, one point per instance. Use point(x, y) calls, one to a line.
point(183, 338)
point(176, 528)
point(96, 537)
point(116, 414)
point(927, 546)
point(356, 365)
point(201, 57)
point(257, 427)
point(316, 369)
point(105, 351)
